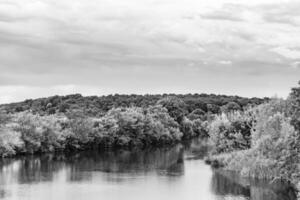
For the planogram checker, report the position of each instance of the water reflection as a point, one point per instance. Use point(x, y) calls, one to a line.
point(168, 173)
point(226, 183)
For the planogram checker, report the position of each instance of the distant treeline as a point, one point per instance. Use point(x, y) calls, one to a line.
point(99, 105)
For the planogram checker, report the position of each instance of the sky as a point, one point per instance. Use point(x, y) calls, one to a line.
point(100, 47)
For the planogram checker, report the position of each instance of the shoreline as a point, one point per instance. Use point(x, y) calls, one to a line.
point(216, 164)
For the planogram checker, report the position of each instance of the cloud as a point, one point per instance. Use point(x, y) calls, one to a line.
point(222, 15)
point(283, 13)
point(296, 65)
point(286, 52)
point(228, 12)
point(158, 45)
point(225, 62)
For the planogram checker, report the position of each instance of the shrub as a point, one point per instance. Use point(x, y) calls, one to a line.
point(39, 134)
point(294, 102)
point(175, 106)
point(137, 127)
point(187, 128)
point(164, 127)
point(229, 132)
point(268, 118)
point(212, 108)
point(10, 141)
point(4, 118)
point(197, 114)
point(230, 107)
point(275, 143)
point(200, 127)
point(78, 133)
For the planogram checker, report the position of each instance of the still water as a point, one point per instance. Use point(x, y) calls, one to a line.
point(170, 173)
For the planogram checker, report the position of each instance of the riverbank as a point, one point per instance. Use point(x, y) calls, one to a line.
point(242, 164)
point(261, 142)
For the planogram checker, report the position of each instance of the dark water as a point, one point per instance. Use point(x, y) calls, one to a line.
point(156, 174)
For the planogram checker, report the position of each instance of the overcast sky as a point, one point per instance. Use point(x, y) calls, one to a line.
point(239, 47)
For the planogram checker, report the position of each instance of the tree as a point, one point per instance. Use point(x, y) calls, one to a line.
point(231, 106)
point(3, 117)
point(197, 114)
point(294, 100)
point(212, 108)
point(175, 106)
point(63, 107)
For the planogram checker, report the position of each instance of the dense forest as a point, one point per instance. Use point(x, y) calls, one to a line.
point(74, 122)
point(98, 106)
point(256, 137)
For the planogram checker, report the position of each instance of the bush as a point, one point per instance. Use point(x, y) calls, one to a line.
point(187, 128)
point(4, 118)
point(162, 125)
point(10, 141)
point(268, 118)
point(229, 132)
point(200, 128)
point(275, 143)
point(230, 107)
point(78, 134)
point(197, 114)
point(39, 134)
point(175, 106)
point(138, 127)
point(294, 111)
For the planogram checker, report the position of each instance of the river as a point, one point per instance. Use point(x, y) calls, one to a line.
point(177, 173)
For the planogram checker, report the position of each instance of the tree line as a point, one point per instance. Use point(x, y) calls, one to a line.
point(99, 105)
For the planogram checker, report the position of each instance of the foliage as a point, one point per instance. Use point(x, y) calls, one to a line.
point(94, 106)
point(231, 131)
point(78, 133)
point(175, 106)
point(294, 101)
point(200, 128)
point(212, 108)
point(39, 134)
point(123, 127)
point(275, 142)
point(4, 118)
point(10, 141)
point(136, 126)
point(231, 107)
point(197, 114)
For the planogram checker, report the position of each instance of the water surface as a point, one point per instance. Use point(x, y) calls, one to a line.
point(169, 173)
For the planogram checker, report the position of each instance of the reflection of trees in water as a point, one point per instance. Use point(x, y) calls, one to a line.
point(39, 169)
point(117, 165)
point(122, 161)
point(221, 185)
point(80, 166)
point(30, 169)
point(196, 149)
point(3, 193)
point(175, 166)
point(229, 183)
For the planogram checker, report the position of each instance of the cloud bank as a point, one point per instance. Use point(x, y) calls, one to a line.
point(248, 48)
